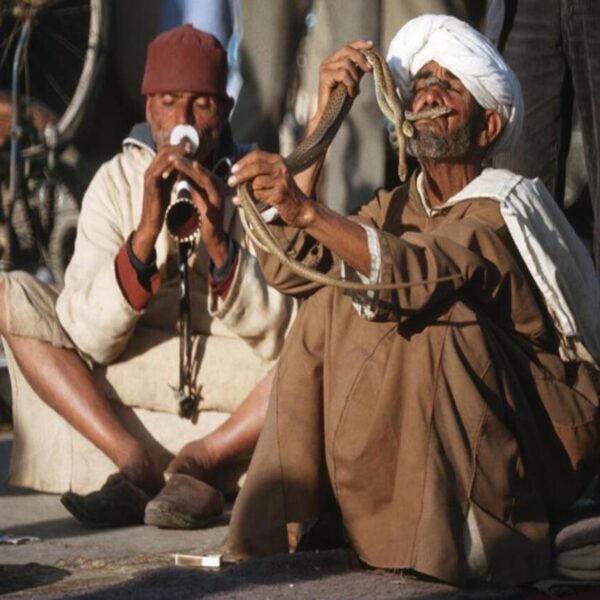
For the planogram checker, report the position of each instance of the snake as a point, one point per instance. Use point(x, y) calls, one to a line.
point(315, 145)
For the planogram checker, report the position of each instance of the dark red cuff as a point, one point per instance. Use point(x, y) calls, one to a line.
point(135, 293)
point(222, 287)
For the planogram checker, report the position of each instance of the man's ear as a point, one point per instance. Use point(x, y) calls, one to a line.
point(148, 109)
point(491, 128)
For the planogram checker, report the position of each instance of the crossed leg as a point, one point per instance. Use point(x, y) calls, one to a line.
point(63, 381)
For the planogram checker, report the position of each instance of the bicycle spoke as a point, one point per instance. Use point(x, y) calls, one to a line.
point(59, 91)
point(75, 10)
point(60, 61)
point(65, 43)
point(9, 43)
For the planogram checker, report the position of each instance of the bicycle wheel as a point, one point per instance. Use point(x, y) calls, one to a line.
point(61, 244)
point(60, 62)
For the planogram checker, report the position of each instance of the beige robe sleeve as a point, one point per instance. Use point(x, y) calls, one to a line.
point(253, 310)
point(92, 308)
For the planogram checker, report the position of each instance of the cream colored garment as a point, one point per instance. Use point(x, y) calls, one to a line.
point(95, 313)
point(50, 456)
point(555, 256)
point(235, 340)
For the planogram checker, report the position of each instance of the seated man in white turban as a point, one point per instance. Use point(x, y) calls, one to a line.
point(446, 422)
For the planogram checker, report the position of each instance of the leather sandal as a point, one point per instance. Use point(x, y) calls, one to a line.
point(184, 503)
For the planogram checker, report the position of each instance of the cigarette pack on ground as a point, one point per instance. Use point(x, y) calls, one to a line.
point(203, 561)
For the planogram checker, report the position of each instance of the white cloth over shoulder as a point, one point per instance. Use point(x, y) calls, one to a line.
point(555, 256)
point(470, 56)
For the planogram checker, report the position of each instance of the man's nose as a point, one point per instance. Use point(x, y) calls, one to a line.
point(184, 114)
point(432, 95)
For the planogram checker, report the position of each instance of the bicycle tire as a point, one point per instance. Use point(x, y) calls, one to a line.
point(70, 118)
point(61, 243)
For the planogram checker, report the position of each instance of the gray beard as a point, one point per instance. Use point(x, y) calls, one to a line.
point(427, 144)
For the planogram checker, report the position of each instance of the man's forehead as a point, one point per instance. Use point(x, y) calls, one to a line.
point(434, 67)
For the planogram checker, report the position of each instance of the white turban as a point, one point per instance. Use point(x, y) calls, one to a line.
point(470, 56)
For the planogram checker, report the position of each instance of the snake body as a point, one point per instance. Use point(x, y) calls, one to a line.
point(314, 145)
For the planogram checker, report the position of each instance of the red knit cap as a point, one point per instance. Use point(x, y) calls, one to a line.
point(185, 59)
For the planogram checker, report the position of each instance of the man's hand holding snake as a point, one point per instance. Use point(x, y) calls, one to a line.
point(346, 66)
point(273, 184)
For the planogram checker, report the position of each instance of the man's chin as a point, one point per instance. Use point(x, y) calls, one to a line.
point(428, 146)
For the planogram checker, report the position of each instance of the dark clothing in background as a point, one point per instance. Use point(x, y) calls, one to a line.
point(553, 46)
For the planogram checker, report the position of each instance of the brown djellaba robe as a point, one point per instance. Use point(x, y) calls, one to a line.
point(448, 430)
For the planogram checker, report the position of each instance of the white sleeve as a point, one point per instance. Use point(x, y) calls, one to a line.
point(92, 308)
point(365, 303)
point(253, 310)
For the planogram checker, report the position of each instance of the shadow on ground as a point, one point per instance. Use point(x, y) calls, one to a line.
point(51, 529)
point(328, 574)
point(16, 578)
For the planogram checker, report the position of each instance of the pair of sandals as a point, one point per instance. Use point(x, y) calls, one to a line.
point(184, 503)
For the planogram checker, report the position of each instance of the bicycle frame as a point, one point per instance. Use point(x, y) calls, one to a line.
point(16, 132)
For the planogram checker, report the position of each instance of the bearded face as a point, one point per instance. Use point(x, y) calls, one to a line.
point(206, 113)
point(431, 144)
point(451, 136)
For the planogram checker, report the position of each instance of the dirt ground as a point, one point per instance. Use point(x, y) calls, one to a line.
point(66, 560)
point(69, 561)
point(304, 575)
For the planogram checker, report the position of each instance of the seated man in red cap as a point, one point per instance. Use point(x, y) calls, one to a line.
point(93, 367)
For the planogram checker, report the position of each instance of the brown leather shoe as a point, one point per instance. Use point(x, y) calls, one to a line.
point(119, 503)
point(184, 503)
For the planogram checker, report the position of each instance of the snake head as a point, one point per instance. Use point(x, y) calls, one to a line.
point(407, 129)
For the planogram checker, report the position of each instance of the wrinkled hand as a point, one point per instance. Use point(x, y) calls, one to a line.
point(207, 194)
point(346, 66)
point(272, 183)
point(158, 182)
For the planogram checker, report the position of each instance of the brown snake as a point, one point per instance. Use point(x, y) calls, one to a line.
point(313, 146)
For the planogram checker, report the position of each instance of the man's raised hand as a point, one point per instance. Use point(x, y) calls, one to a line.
point(158, 182)
point(271, 182)
point(345, 66)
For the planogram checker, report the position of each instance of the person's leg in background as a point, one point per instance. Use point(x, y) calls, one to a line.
point(581, 23)
point(270, 31)
point(531, 45)
point(214, 16)
point(356, 161)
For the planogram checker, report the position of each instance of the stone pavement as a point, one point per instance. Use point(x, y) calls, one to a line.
point(70, 561)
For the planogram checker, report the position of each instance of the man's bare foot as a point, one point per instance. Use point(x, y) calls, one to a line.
point(137, 466)
point(195, 459)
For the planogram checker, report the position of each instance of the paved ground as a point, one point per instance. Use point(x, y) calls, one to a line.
point(72, 562)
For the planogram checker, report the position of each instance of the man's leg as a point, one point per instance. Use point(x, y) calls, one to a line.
point(534, 51)
point(233, 440)
point(63, 381)
point(188, 501)
point(582, 23)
